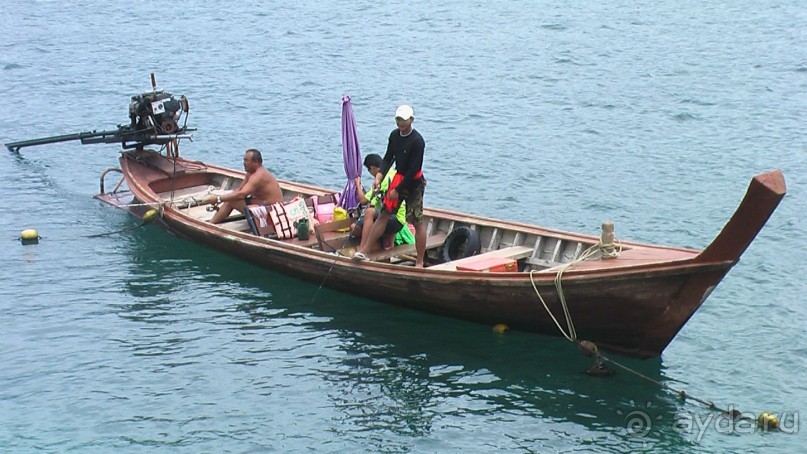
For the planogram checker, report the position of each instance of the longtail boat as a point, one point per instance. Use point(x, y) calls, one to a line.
point(628, 297)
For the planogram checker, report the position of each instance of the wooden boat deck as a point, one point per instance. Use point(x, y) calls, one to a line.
point(634, 257)
point(536, 252)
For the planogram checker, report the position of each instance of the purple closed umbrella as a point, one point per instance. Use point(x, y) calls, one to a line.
point(351, 155)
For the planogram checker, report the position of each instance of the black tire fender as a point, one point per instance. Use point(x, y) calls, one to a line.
point(460, 243)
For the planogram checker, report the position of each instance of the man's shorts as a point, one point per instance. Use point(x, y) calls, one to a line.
point(414, 203)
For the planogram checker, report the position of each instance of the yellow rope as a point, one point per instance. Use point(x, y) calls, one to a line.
point(605, 252)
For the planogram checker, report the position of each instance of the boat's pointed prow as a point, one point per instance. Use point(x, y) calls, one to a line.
point(764, 194)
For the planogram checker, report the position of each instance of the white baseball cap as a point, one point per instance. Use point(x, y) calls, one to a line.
point(404, 112)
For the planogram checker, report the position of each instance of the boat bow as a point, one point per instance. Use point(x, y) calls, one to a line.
point(764, 193)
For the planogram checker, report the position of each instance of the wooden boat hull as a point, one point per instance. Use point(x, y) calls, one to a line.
point(634, 304)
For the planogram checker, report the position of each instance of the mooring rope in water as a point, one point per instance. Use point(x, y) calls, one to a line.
point(336, 252)
point(681, 393)
point(766, 421)
point(150, 216)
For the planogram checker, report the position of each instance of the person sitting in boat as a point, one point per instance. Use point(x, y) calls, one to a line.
point(259, 186)
point(396, 232)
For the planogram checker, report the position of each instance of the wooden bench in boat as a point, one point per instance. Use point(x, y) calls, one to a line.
point(432, 241)
point(325, 235)
point(238, 223)
point(329, 237)
point(512, 252)
point(199, 212)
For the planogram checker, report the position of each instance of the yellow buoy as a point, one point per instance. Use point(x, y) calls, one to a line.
point(150, 216)
point(500, 328)
point(29, 236)
point(768, 421)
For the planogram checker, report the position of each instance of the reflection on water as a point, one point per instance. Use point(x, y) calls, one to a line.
point(381, 368)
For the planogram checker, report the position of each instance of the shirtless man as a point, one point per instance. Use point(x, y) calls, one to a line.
point(258, 183)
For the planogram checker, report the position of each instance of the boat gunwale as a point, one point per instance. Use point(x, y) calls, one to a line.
point(643, 266)
point(469, 218)
point(673, 266)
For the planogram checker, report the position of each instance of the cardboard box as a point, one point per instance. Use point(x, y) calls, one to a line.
point(491, 264)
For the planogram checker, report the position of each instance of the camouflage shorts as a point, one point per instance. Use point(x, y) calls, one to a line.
point(414, 203)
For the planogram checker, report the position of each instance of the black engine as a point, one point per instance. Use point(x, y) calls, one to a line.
point(156, 110)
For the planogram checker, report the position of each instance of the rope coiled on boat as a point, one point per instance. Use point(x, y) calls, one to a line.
point(601, 250)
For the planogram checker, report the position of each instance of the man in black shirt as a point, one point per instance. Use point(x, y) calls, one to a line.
point(405, 148)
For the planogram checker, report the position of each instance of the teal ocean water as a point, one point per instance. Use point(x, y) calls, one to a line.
point(653, 115)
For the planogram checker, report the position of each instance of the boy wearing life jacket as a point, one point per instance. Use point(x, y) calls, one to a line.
point(396, 232)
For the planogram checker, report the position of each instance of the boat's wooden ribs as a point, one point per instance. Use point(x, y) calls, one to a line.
point(518, 239)
point(577, 251)
point(536, 251)
point(493, 244)
point(555, 257)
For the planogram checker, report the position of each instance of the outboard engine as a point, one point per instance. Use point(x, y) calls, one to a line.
point(154, 120)
point(156, 110)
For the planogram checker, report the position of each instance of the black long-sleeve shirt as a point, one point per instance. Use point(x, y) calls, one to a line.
point(407, 153)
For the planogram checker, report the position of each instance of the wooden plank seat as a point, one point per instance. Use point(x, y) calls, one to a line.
point(432, 241)
point(199, 212)
point(329, 237)
point(512, 252)
point(238, 223)
point(311, 241)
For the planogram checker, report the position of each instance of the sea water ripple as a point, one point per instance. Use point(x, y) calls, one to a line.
point(652, 115)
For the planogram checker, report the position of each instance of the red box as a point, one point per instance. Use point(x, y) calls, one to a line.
point(491, 264)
